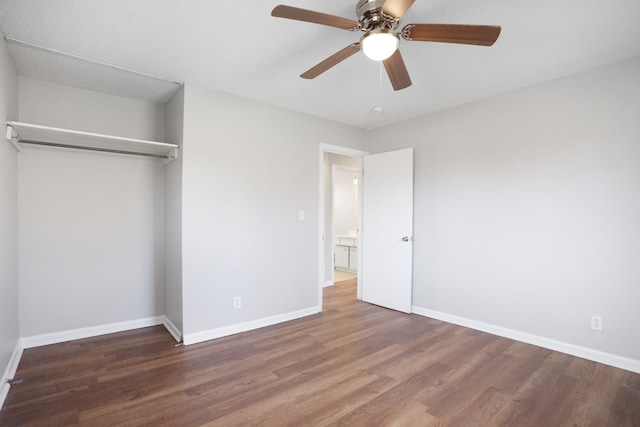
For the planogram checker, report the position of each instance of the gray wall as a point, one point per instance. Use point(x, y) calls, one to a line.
point(248, 169)
point(9, 329)
point(57, 105)
point(527, 208)
point(91, 224)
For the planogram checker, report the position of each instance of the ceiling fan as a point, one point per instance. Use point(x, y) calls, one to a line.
point(380, 22)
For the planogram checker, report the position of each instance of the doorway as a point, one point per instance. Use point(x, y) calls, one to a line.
point(388, 254)
point(342, 166)
point(345, 217)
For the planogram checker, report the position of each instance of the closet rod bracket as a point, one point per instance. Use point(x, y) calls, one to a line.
point(171, 156)
point(13, 139)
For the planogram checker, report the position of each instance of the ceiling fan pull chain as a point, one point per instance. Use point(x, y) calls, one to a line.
point(379, 81)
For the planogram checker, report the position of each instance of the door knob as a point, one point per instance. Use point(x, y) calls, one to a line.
point(406, 239)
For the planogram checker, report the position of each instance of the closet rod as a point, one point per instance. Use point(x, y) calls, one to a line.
point(105, 150)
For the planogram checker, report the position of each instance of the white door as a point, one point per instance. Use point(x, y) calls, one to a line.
point(387, 229)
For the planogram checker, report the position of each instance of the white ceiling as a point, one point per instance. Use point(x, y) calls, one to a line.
point(237, 47)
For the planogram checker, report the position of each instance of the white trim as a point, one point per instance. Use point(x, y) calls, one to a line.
point(92, 331)
point(4, 391)
point(360, 226)
point(211, 334)
point(173, 330)
point(12, 367)
point(10, 372)
point(321, 220)
point(345, 151)
point(328, 283)
point(563, 347)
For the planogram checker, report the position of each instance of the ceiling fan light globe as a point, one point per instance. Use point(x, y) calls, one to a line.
point(379, 45)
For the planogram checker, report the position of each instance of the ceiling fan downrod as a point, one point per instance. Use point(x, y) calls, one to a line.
point(372, 17)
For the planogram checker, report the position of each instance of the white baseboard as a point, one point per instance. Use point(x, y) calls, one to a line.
point(328, 283)
point(92, 331)
point(563, 347)
point(10, 372)
point(173, 330)
point(4, 391)
point(247, 326)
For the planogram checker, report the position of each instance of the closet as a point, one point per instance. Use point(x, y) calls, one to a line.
point(92, 219)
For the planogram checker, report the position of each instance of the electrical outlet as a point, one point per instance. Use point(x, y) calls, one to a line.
point(237, 303)
point(596, 323)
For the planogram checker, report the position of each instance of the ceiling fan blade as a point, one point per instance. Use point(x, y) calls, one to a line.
point(331, 61)
point(289, 12)
point(397, 8)
point(397, 71)
point(484, 35)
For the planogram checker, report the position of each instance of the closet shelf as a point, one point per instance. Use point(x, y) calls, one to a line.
point(24, 133)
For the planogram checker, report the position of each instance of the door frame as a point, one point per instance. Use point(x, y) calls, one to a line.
point(322, 261)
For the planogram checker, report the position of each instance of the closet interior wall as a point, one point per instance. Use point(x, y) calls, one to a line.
point(91, 245)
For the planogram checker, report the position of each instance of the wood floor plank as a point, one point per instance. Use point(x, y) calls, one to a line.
point(354, 364)
point(480, 410)
point(625, 411)
point(406, 413)
point(396, 396)
point(519, 410)
point(454, 393)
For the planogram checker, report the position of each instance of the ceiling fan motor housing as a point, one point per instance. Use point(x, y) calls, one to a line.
point(370, 15)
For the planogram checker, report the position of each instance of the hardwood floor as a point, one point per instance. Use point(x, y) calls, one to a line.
point(355, 364)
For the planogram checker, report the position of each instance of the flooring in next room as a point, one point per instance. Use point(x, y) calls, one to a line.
point(341, 275)
point(354, 364)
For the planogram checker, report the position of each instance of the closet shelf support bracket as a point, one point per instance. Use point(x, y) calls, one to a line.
point(13, 139)
point(171, 156)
